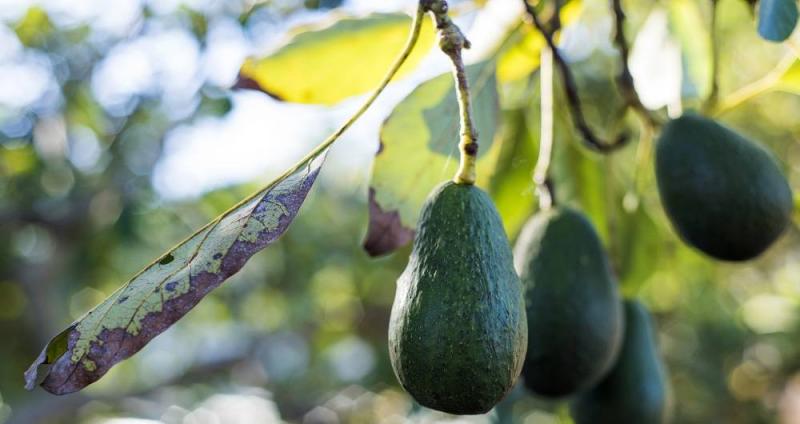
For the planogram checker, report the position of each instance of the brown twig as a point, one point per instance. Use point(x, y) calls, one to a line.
point(571, 88)
point(625, 79)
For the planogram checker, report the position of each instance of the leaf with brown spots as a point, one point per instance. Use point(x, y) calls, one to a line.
point(168, 288)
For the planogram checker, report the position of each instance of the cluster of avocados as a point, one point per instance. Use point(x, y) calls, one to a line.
point(470, 316)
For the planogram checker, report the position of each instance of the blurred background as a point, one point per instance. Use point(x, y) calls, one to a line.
point(119, 136)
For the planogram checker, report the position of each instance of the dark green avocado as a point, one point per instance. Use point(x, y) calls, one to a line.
point(635, 390)
point(724, 194)
point(457, 334)
point(574, 310)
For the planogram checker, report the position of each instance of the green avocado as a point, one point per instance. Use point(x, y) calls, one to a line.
point(724, 194)
point(635, 390)
point(457, 334)
point(574, 310)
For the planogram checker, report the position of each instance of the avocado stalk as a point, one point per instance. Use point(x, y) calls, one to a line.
point(452, 41)
point(544, 186)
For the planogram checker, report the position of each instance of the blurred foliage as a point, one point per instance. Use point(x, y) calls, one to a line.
point(300, 334)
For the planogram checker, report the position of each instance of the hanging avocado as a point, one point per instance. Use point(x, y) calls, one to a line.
point(635, 390)
point(724, 194)
point(457, 334)
point(573, 306)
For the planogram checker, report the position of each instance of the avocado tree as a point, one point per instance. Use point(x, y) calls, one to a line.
point(601, 186)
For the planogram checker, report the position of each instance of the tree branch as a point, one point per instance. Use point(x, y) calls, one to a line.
point(571, 89)
point(625, 79)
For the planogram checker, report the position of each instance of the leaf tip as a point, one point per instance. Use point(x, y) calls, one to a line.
point(244, 82)
point(32, 373)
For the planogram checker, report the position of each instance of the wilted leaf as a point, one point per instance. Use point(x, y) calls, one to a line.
point(347, 58)
point(419, 148)
point(687, 24)
point(385, 231)
point(167, 289)
point(777, 19)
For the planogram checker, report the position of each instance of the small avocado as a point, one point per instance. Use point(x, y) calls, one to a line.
point(457, 334)
point(635, 390)
point(724, 194)
point(574, 310)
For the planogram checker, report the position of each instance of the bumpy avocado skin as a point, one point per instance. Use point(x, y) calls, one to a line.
point(724, 194)
point(635, 390)
point(574, 310)
point(457, 334)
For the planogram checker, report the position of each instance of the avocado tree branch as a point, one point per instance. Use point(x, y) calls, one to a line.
point(452, 41)
point(571, 88)
point(624, 78)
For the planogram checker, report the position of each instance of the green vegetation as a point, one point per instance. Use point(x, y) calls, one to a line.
point(129, 126)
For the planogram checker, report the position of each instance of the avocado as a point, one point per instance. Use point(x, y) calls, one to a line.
point(457, 334)
point(635, 390)
point(724, 194)
point(574, 310)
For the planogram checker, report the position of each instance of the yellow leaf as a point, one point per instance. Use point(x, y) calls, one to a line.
point(345, 59)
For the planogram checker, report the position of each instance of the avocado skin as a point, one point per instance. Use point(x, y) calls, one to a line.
point(574, 311)
point(635, 390)
point(457, 334)
point(724, 194)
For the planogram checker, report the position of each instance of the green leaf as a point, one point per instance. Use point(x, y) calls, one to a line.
point(419, 149)
point(168, 288)
point(522, 58)
point(797, 208)
point(777, 19)
point(639, 239)
point(511, 185)
point(329, 65)
point(687, 24)
point(580, 179)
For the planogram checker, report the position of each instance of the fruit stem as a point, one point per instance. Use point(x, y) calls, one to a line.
point(452, 41)
point(544, 187)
